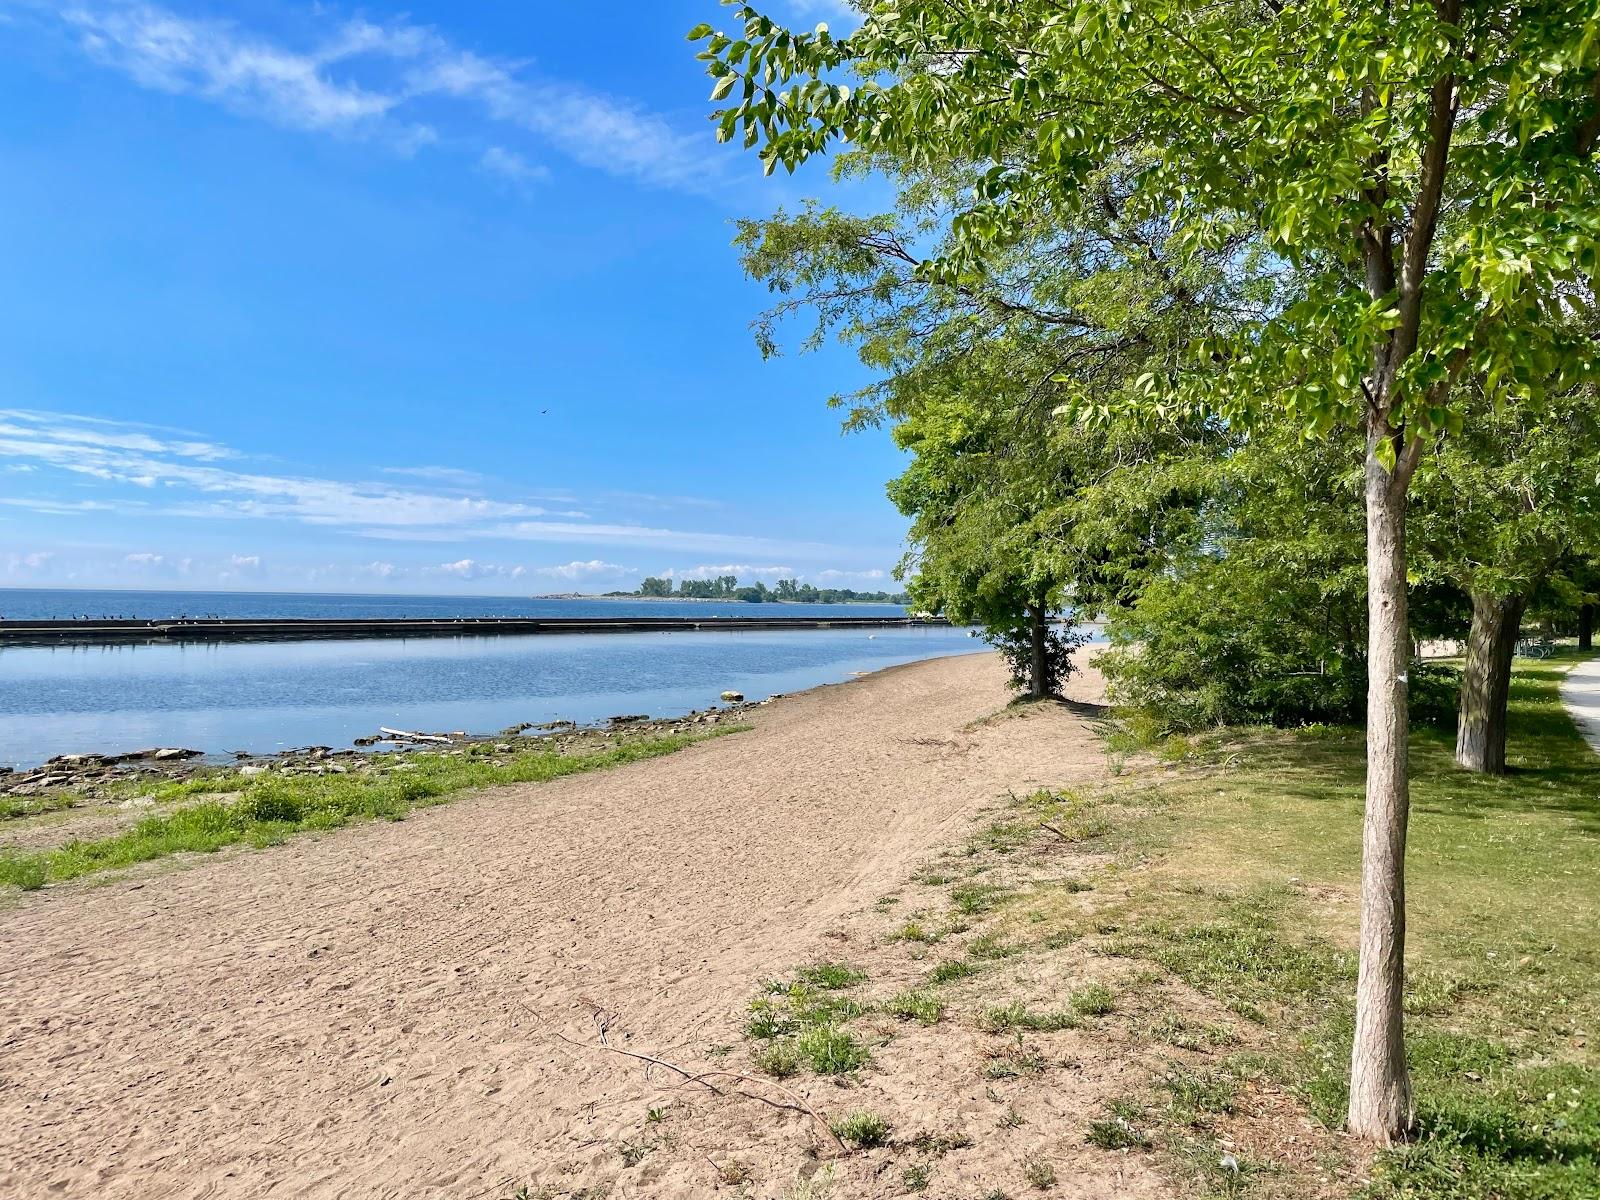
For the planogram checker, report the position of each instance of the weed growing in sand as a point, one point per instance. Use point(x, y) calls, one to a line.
point(735, 1173)
point(829, 976)
point(800, 1021)
point(990, 948)
point(916, 931)
point(951, 970)
point(1174, 1030)
point(1121, 1129)
point(863, 1129)
point(1093, 1000)
point(1039, 1173)
point(634, 1152)
point(1014, 1061)
point(974, 899)
point(778, 1059)
point(937, 1145)
point(818, 1187)
point(923, 1007)
point(829, 1050)
point(273, 807)
point(1009, 1017)
point(916, 1177)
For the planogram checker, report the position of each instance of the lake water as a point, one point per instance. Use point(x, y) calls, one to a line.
point(263, 697)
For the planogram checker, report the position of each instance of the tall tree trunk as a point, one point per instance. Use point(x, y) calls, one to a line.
point(1380, 1087)
point(1039, 671)
point(1586, 627)
point(1486, 682)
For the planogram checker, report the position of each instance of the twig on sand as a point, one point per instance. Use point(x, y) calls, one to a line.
point(603, 1021)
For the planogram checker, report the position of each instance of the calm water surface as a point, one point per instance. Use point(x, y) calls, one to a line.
point(271, 696)
point(38, 604)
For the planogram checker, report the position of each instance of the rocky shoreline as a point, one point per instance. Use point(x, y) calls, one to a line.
point(108, 776)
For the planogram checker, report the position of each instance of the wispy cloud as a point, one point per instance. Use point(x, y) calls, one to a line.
point(390, 81)
point(180, 475)
point(512, 167)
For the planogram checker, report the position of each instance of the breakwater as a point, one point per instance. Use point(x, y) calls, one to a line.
point(297, 629)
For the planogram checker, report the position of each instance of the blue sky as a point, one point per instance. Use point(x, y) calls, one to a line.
point(297, 296)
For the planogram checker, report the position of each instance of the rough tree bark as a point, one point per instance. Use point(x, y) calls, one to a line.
point(1486, 682)
point(1039, 670)
point(1380, 1086)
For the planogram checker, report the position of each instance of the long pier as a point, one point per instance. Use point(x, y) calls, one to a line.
point(298, 629)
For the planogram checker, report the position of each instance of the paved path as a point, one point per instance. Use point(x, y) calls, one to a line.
point(1581, 692)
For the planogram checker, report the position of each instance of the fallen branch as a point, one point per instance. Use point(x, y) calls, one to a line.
point(603, 1019)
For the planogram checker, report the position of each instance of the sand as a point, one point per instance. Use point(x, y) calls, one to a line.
point(372, 1012)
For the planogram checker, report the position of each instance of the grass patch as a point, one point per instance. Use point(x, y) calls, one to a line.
point(801, 1022)
point(951, 970)
point(1016, 1015)
point(1253, 900)
point(271, 808)
point(16, 808)
point(921, 1006)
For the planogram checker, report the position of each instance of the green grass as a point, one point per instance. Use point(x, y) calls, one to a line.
point(921, 1006)
point(271, 808)
point(1254, 902)
point(1016, 1015)
point(15, 808)
point(800, 1022)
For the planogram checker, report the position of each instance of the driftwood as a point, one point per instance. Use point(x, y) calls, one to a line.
point(406, 736)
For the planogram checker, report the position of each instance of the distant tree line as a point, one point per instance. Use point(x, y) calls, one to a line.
point(726, 587)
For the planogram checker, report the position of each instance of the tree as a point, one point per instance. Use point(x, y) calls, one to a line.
point(1507, 507)
point(1421, 169)
point(655, 587)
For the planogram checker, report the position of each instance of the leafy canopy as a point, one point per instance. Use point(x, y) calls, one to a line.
point(1457, 140)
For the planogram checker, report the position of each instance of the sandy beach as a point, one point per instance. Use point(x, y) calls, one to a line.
point(375, 1012)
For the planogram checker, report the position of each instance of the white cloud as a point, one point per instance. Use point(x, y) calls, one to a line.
point(245, 562)
point(36, 561)
point(510, 165)
point(832, 575)
point(595, 567)
point(144, 560)
point(364, 79)
point(742, 570)
point(468, 568)
point(162, 50)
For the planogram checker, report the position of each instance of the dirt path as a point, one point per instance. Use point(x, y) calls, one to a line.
point(369, 1013)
